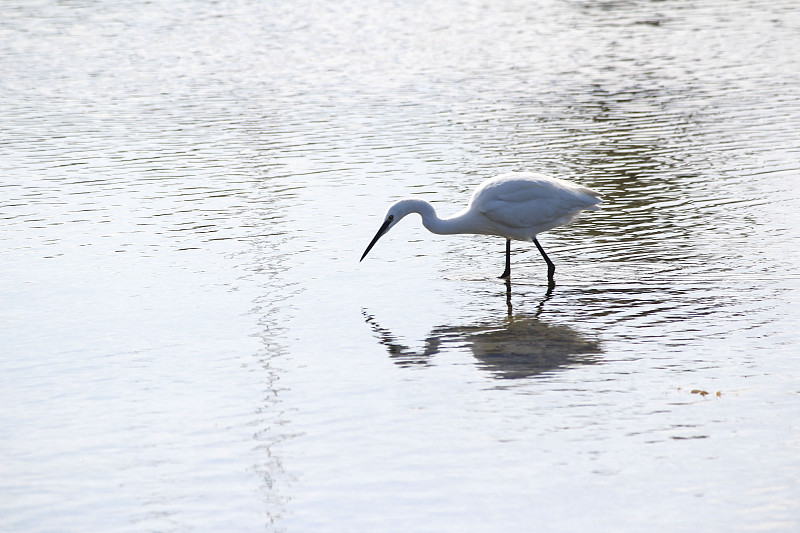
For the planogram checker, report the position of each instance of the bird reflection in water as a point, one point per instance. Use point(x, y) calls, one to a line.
point(517, 346)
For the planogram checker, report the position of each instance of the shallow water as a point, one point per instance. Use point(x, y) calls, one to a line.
point(188, 341)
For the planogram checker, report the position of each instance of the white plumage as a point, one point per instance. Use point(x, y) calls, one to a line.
point(516, 205)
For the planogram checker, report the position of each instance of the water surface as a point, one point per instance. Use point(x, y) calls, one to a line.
point(188, 341)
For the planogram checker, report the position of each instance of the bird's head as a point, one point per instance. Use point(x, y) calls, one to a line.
point(395, 213)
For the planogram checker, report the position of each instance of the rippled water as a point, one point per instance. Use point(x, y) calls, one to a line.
point(188, 341)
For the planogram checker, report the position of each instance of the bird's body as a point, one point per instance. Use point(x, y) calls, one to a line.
point(516, 205)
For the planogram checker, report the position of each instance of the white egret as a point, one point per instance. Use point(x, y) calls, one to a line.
point(516, 205)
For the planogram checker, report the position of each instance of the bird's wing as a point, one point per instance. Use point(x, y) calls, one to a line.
point(528, 204)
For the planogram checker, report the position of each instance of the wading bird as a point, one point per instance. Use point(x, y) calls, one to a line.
point(516, 205)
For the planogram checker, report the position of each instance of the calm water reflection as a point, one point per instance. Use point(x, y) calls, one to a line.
point(185, 190)
point(516, 346)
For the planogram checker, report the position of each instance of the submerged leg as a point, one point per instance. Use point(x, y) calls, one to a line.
point(508, 298)
point(507, 272)
point(551, 268)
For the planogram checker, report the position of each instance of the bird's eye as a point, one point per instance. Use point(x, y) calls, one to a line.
point(390, 218)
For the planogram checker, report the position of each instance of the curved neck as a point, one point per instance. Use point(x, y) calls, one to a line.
point(430, 220)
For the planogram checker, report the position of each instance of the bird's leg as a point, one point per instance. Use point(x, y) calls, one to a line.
point(508, 298)
point(551, 268)
point(507, 272)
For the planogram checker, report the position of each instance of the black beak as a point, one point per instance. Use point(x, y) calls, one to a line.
point(384, 229)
